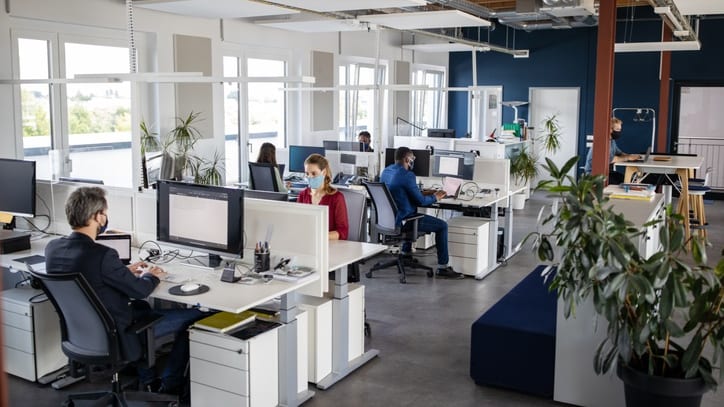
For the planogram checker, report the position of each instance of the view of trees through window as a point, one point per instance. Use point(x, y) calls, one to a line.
point(357, 107)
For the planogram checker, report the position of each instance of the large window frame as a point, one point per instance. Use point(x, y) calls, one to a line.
point(428, 108)
point(348, 74)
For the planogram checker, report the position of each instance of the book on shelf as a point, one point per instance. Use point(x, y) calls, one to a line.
point(639, 192)
point(223, 322)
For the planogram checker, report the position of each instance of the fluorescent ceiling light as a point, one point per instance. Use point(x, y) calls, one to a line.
point(426, 19)
point(318, 26)
point(343, 5)
point(215, 9)
point(658, 46)
point(700, 7)
point(670, 15)
point(439, 47)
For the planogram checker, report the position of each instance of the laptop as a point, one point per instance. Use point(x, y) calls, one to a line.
point(121, 242)
point(646, 157)
point(451, 186)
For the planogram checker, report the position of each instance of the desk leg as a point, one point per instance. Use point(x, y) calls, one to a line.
point(630, 171)
point(288, 395)
point(508, 252)
point(492, 243)
point(683, 174)
point(341, 366)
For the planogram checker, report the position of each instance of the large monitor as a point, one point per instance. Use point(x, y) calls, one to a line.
point(443, 133)
point(266, 195)
point(330, 145)
point(350, 146)
point(17, 180)
point(422, 161)
point(297, 155)
point(204, 217)
point(459, 164)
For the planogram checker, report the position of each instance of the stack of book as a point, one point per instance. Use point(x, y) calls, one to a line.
point(639, 192)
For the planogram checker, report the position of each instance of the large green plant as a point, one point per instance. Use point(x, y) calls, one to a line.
point(551, 135)
point(524, 166)
point(662, 312)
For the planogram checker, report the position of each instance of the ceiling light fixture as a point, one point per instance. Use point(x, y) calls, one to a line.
point(658, 46)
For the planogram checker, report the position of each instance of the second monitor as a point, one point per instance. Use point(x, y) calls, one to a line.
point(297, 155)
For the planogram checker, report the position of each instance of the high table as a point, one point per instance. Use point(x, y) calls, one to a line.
point(682, 166)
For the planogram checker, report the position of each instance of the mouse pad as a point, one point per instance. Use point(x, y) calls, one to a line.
point(176, 290)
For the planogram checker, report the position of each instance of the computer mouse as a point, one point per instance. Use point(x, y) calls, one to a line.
point(190, 287)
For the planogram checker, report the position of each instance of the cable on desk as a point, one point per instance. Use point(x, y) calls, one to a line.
point(39, 297)
point(468, 191)
point(43, 230)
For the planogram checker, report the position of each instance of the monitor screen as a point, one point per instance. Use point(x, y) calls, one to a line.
point(183, 207)
point(460, 164)
point(17, 178)
point(351, 146)
point(445, 133)
point(422, 161)
point(332, 145)
point(267, 195)
point(297, 155)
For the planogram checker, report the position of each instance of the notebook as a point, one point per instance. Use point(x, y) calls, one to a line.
point(451, 186)
point(225, 321)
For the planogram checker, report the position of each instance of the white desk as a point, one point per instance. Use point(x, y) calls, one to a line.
point(341, 254)
point(682, 166)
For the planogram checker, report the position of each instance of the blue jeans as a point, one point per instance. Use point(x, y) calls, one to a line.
point(431, 224)
point(177, 322)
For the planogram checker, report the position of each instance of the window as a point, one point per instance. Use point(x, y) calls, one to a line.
point(357, 106)
point(35, 102)
point(99, 115)
point(427, 105)
point(266, 104)
point(231, 120)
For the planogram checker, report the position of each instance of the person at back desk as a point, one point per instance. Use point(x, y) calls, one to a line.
point(116, 285)
point(400, 180)
point(365, 138)
point(615, 154)
point(320, 192)
point(268, 155)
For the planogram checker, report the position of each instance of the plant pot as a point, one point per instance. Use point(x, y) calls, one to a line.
point(642, 389)
point(519, 201)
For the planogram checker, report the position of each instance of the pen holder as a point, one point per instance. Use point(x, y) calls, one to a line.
point(261, 262)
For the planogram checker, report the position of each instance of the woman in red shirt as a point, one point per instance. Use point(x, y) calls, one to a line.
point(320, 192)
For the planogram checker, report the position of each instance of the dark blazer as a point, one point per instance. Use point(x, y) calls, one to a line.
point(114, 284)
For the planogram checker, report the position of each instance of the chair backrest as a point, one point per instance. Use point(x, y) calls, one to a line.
point(356, 210)
point(385, 208)
point(88, 331)
point(263, 177)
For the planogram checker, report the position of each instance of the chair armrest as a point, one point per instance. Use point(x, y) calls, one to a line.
point(144, 323)
point(411, 218)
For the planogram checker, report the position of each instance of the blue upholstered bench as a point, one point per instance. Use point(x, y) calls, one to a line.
point(513, 344)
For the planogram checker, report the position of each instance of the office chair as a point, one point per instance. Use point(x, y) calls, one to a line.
point(356, 218)
point(89, 336)
point(385, 225)
point(263, 177)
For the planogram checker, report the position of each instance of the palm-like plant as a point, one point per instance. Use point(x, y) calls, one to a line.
point(551, 136)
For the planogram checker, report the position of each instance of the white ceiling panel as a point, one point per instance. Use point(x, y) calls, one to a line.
point(215, 9)
point(426, 19)
point(316, 26)
point(700, 7)
point(342, 5)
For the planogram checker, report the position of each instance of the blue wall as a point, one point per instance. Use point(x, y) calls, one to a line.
point(566, 58)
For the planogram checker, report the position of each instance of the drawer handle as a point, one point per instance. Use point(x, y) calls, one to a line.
point(240, 351)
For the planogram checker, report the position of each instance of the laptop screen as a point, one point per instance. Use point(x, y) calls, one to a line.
point(451, 186)
point(120, 242)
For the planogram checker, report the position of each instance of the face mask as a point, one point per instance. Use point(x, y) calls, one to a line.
point(615, 134)
point(366, 146)
point(316, 182)
point(103, 228)
point(411, 164)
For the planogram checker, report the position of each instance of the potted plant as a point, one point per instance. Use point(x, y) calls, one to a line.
point(551, 136)
point(662, 313)
point(523, 168)
point(207, 172)
point(149, 143)
point(177, 147)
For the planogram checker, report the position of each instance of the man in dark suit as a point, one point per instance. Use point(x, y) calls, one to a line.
point(120, 288)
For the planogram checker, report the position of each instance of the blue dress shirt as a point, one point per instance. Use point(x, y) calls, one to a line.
point(612, 151)
point(404, 190)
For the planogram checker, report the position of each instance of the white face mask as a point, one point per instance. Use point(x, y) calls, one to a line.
point(316, 182)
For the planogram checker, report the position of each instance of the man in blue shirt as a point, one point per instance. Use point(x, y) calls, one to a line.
point(615, 154)
point(400, 180)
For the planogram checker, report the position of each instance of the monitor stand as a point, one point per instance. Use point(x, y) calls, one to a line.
point(210, 262)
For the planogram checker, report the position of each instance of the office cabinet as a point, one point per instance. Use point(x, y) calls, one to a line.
point(468, 240)
point(356, 295)
point(233, 372)
point(31, 334)
point(319, 341)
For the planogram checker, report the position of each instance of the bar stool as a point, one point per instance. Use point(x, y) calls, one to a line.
point(698, 187)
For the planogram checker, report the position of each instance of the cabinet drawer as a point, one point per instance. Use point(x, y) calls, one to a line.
point(220, 377)
point(18, 339)
point(219, 340)
point(466, 250)
point(466, 239)
point(469, 267)
point(18, 321)
point(202, 395)
point(18, 363)
point(221, 356)
point(16, 308)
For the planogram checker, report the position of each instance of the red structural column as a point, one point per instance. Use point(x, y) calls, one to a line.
point(603, 98)
point(664, 89)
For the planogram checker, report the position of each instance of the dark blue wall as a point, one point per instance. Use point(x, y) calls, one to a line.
point(566, 58)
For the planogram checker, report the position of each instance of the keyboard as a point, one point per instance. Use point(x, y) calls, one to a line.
point(293, 178)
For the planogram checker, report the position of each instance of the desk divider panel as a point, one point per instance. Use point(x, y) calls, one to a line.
point(296, 230)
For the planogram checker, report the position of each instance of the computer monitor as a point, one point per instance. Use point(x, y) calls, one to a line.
point(351, 146)
point(330, 145)
point(17, 180)
point(442, 133)
point(266, 195)
point(422, 161)
point(297, 155)
point(460, 164)
point(183, 207)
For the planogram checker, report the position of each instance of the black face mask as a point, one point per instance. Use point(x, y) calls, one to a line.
point(103, 228)
point(615, 134)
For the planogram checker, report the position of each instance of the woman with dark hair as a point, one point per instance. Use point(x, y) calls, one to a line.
point(268, 155)
point(320, 192)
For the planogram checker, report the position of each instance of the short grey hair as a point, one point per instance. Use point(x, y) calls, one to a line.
point(83, 204)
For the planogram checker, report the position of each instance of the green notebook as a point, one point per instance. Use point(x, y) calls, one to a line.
point(224, 321)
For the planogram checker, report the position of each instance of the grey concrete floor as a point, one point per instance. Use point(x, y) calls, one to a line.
point(422, 330)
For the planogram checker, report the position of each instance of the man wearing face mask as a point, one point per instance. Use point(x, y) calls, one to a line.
point(365, 138)
point(119, 288)
point(401, 182)
point(615, 153)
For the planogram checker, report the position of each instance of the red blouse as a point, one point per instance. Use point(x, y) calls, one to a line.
point(337, 210)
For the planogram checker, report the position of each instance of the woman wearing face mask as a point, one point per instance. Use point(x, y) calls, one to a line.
point(616, 155)
point(320, 192)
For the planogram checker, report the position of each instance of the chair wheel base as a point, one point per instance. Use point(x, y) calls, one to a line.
point(368, 274)
point(430, 274)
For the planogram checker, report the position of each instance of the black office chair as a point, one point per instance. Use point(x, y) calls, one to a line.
point(356, 218)
point(385, 225)
point(89, 336)
point(263, 177)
